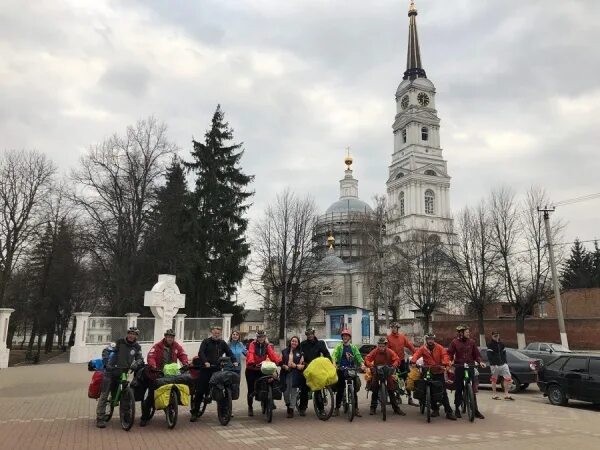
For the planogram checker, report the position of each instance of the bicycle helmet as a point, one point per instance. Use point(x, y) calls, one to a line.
point(133, 330)
point(462, 328)
point(346, 331)
point(382, 340)
point(260, 333)
point(170, 332)
point(394, 325)
point(430, 336)
point(309, 330)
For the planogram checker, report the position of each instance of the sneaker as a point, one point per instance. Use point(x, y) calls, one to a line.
point(100, 423)
point(450, 416)
point(398, 411)
point(435, 413)
point(458, 414)
point(357, 413)
point(336, 412)
point(372, 410)
point(143, 422)
point(479, 415)
point(250, 411)
point(302, 412)
point(411, 402)
point(193, 417)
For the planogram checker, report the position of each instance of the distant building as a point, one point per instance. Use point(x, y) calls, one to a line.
point(254, 321)
point(576, 303)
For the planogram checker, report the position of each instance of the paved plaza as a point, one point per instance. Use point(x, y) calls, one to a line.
point(46, 407)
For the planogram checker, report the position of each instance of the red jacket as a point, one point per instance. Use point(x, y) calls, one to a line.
point(258, 353)
point(156, 354)
point(466, 351)
point(436, 357)
point(376, 358)
point(398, 342)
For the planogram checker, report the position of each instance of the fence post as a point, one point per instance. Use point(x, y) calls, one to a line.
point(372, 327)
point(227, 326)
point(4, 350)
point(132, 319)
point(78, 351)
point(179, 326)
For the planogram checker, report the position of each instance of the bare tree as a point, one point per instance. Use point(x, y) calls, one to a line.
point(25, 179)
point(115, 188)
point(474, 257)
point(427, 279)
point(519, 237)
point(284, 270)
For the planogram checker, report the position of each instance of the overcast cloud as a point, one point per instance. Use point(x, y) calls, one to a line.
point(518, 87)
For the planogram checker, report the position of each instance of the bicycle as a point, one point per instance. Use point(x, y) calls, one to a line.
point(428, 391)
point(323, 402)
point(123, 397)
point(400, 390)
point(349, 402)
point(263, 391)
point(468, 394)
point(383, 372)
point(221, 394)
point(172, 407)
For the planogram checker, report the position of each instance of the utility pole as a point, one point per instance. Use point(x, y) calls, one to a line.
point(559, 311)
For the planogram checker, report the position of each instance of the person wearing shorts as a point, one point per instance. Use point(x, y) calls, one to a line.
point(498, 366)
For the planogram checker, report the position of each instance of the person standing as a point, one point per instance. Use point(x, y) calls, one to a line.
point(125, 354)
point(311, 348)
point(292, 364)
point(398, 342)
point(499, 368)
point(382, 355)
point(346, 355)
point(259, 351)
point(238, 349)
point(210, 352)
point(463, 350)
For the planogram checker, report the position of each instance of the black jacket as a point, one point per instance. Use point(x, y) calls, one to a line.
point(313, 349)
point(211, 350)
point(122, 355)
point(496, 353)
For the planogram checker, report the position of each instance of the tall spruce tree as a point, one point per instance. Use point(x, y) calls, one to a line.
point(596, 265)
point(218, 223)
point(578, 269)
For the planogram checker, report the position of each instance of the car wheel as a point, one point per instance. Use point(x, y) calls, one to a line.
point(515, 385)
point(556, 395)
point(524, 386)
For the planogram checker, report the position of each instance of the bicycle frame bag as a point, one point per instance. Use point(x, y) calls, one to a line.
point(95, 387)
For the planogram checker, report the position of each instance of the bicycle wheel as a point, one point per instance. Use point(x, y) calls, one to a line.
point(127, 409)
point(383, 399)
point(323, 398)
point(224, 407)
point(428, 402)
point(148, 404)
point(349, 406)
point(172, 409)
point(469, 401)
point(269, 406)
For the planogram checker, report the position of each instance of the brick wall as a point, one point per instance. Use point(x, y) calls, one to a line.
point(577, 303)
point(583, 334)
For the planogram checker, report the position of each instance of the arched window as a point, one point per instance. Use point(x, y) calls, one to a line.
point(400, 175)
point(425, 133)
point(404, 135)
point(429, 202)
point(430, 172)
point(93, 324)
point(401, 203)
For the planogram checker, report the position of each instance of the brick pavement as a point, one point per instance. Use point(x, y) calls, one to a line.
point(46, 407)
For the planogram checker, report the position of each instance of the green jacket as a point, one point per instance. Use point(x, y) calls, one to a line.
point(337, 354)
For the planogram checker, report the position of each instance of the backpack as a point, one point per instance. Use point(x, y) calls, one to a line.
point(95, 387)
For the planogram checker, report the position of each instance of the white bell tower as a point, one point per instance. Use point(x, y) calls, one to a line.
point(418, 185)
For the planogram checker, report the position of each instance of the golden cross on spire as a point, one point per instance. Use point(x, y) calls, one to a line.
point(412, 6)
point(348, 159)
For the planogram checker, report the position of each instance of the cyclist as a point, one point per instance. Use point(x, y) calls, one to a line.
point(210, 352)
point(345, 355)
point(382, 355)
point(434, 355)
point(124, 354)
point(165, 351)
point(258, 352)
point(463, 350)
point(311, 348)
point(398, 342)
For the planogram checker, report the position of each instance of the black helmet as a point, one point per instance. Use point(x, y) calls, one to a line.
point(170, 332)
point(260, 333)
point(394, 325)
point(382, 340)
point(133, 330)
point(462, 327)
point(309, 330)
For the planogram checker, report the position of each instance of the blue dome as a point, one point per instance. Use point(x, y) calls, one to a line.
point(349, 204)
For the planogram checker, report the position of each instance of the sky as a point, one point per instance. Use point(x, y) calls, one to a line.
point(517, 82)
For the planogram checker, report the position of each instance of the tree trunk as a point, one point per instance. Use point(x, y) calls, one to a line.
point(282, 314)
point(481, 324)
point(34, 330)
point(426, 323)
point(520, 324)
point(72, 335)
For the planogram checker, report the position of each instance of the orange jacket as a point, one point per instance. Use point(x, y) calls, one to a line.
point(258, 353)
point(436, 357)
point(397, 342)
point(376, 358)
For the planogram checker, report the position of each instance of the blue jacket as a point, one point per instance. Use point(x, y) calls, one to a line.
point(238, 349)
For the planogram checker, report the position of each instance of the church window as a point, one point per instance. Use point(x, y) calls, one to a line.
point(404, 135)
point(425, 133)
point(400, 175)
point(93, 324)
point(402, 203)
point(430, 172)
point(429, 202)
point(326, 291)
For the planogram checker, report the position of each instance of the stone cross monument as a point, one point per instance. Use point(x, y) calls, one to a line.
point(164, 301)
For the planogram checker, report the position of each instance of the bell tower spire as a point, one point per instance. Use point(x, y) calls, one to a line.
point(414, 68)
